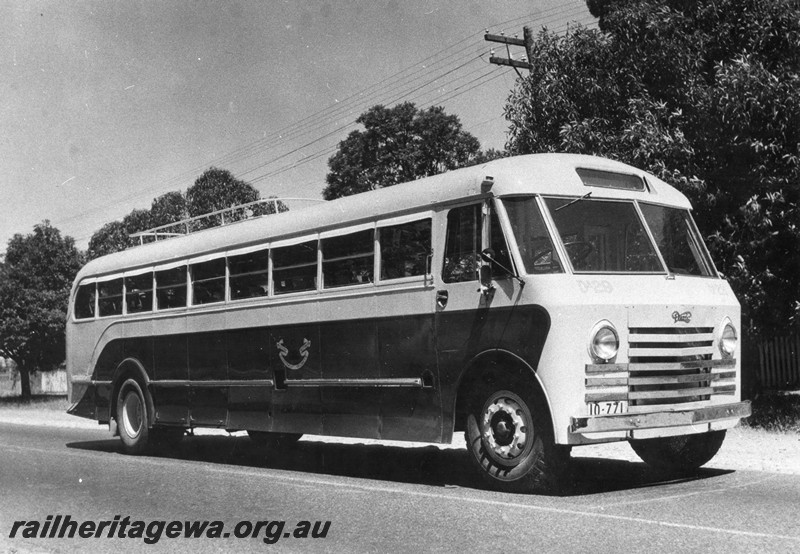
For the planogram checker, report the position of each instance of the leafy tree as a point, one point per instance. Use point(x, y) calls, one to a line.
point(168, 208)
point(213, 190)
point(111, 237)
point(704, 94)
point(217, 189)
point(35, 281)
point(398, 144)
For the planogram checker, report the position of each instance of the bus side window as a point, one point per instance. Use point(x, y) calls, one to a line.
point(348, 259)
point(171, 288)
point(84, 302)
point(139, 293)
point(208, 281)
point(294, 268)
point(249, 274)
point(109, 297)
point(405, 249)
point(463, 244)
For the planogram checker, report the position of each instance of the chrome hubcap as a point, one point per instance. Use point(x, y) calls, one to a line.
point(132, 414)
point(504, 428)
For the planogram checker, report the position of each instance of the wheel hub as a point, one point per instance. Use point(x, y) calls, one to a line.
point(132, 414)
point(504, 428)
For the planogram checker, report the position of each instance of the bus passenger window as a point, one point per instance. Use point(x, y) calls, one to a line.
point(109, 296)
point(405, 249)
point(208, 281)
point(461, 261)
point(294, 268)
point(84, 302)
point(535, 245)
point(249, 274)
point(348, 259)
point(171, 288)
point(139, 293)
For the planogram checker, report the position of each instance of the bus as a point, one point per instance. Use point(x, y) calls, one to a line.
point(534, 303)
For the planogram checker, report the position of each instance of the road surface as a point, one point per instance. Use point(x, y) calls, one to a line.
point(377, 499)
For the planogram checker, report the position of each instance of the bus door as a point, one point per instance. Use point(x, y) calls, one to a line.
point(472, 318)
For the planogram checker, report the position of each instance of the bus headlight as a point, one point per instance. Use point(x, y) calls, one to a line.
point(728, 340)
point(604, 342)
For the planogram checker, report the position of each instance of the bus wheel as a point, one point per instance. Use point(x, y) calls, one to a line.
point(512, 445)
point(681, 453)
point(273, 440)
point(132, 419)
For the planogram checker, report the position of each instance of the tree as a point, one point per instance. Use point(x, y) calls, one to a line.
point(704, 94)
point(398, 144)
point(168, 208)
point(35, 281)
point(116, 235)
point(217, 189)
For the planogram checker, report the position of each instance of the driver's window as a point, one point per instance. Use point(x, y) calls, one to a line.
point(464, 244)
point(533, 240)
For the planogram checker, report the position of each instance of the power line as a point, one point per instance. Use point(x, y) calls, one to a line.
point(380, 89)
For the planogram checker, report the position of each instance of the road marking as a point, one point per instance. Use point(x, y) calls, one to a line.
point(685, 495)
point(280, 475)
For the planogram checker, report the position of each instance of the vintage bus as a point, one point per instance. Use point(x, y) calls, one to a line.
point(535, 303)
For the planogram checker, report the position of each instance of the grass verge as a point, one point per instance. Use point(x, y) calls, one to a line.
point(778, 412)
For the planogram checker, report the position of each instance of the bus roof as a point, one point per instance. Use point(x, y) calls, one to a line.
point(553, 174)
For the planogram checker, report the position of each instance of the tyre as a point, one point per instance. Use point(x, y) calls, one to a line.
point(510, 442)
point(273, 440)
point(133, 421)
point(683, 453)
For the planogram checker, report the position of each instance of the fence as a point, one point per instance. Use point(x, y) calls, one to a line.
point(51, 382)
point(779, 363)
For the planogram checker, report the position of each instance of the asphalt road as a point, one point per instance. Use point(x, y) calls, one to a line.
point(377, 498)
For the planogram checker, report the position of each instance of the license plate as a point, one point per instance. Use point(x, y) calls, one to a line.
point(608, 408)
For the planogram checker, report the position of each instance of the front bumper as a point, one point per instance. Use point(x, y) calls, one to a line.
point(655, 420)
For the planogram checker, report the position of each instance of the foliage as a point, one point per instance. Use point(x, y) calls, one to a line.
point(168, 208)
point(775, 412)
point(35, 281)
point(214, 190)
point(398, 144)
point(703, 94)
point(217, 189)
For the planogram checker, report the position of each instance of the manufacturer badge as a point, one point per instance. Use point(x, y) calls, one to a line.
point(684, 317)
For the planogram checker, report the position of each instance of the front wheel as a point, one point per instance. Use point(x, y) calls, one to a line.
point(511, 443)
point(681, 453)
point(133, 421)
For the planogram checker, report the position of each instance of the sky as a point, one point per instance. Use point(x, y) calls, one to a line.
point(105, 105)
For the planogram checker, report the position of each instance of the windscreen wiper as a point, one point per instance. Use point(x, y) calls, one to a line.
point(584, 197)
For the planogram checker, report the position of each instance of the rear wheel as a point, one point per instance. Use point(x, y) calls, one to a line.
point(681, 453)
point(133, 421)
point(510, 442)
point(270, 440)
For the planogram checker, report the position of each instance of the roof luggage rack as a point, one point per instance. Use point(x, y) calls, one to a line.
point(225, 216)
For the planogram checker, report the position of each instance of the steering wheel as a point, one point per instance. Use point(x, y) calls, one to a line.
point(578, 250)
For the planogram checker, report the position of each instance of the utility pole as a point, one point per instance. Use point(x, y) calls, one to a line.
point(526, 42)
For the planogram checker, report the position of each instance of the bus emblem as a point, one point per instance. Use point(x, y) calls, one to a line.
point(685, 317)
point(283, 352)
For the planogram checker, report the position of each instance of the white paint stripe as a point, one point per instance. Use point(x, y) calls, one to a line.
point(687, 494)
point(279, 475)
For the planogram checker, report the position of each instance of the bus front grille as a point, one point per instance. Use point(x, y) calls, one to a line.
point(666, 367)
point(673, 366)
